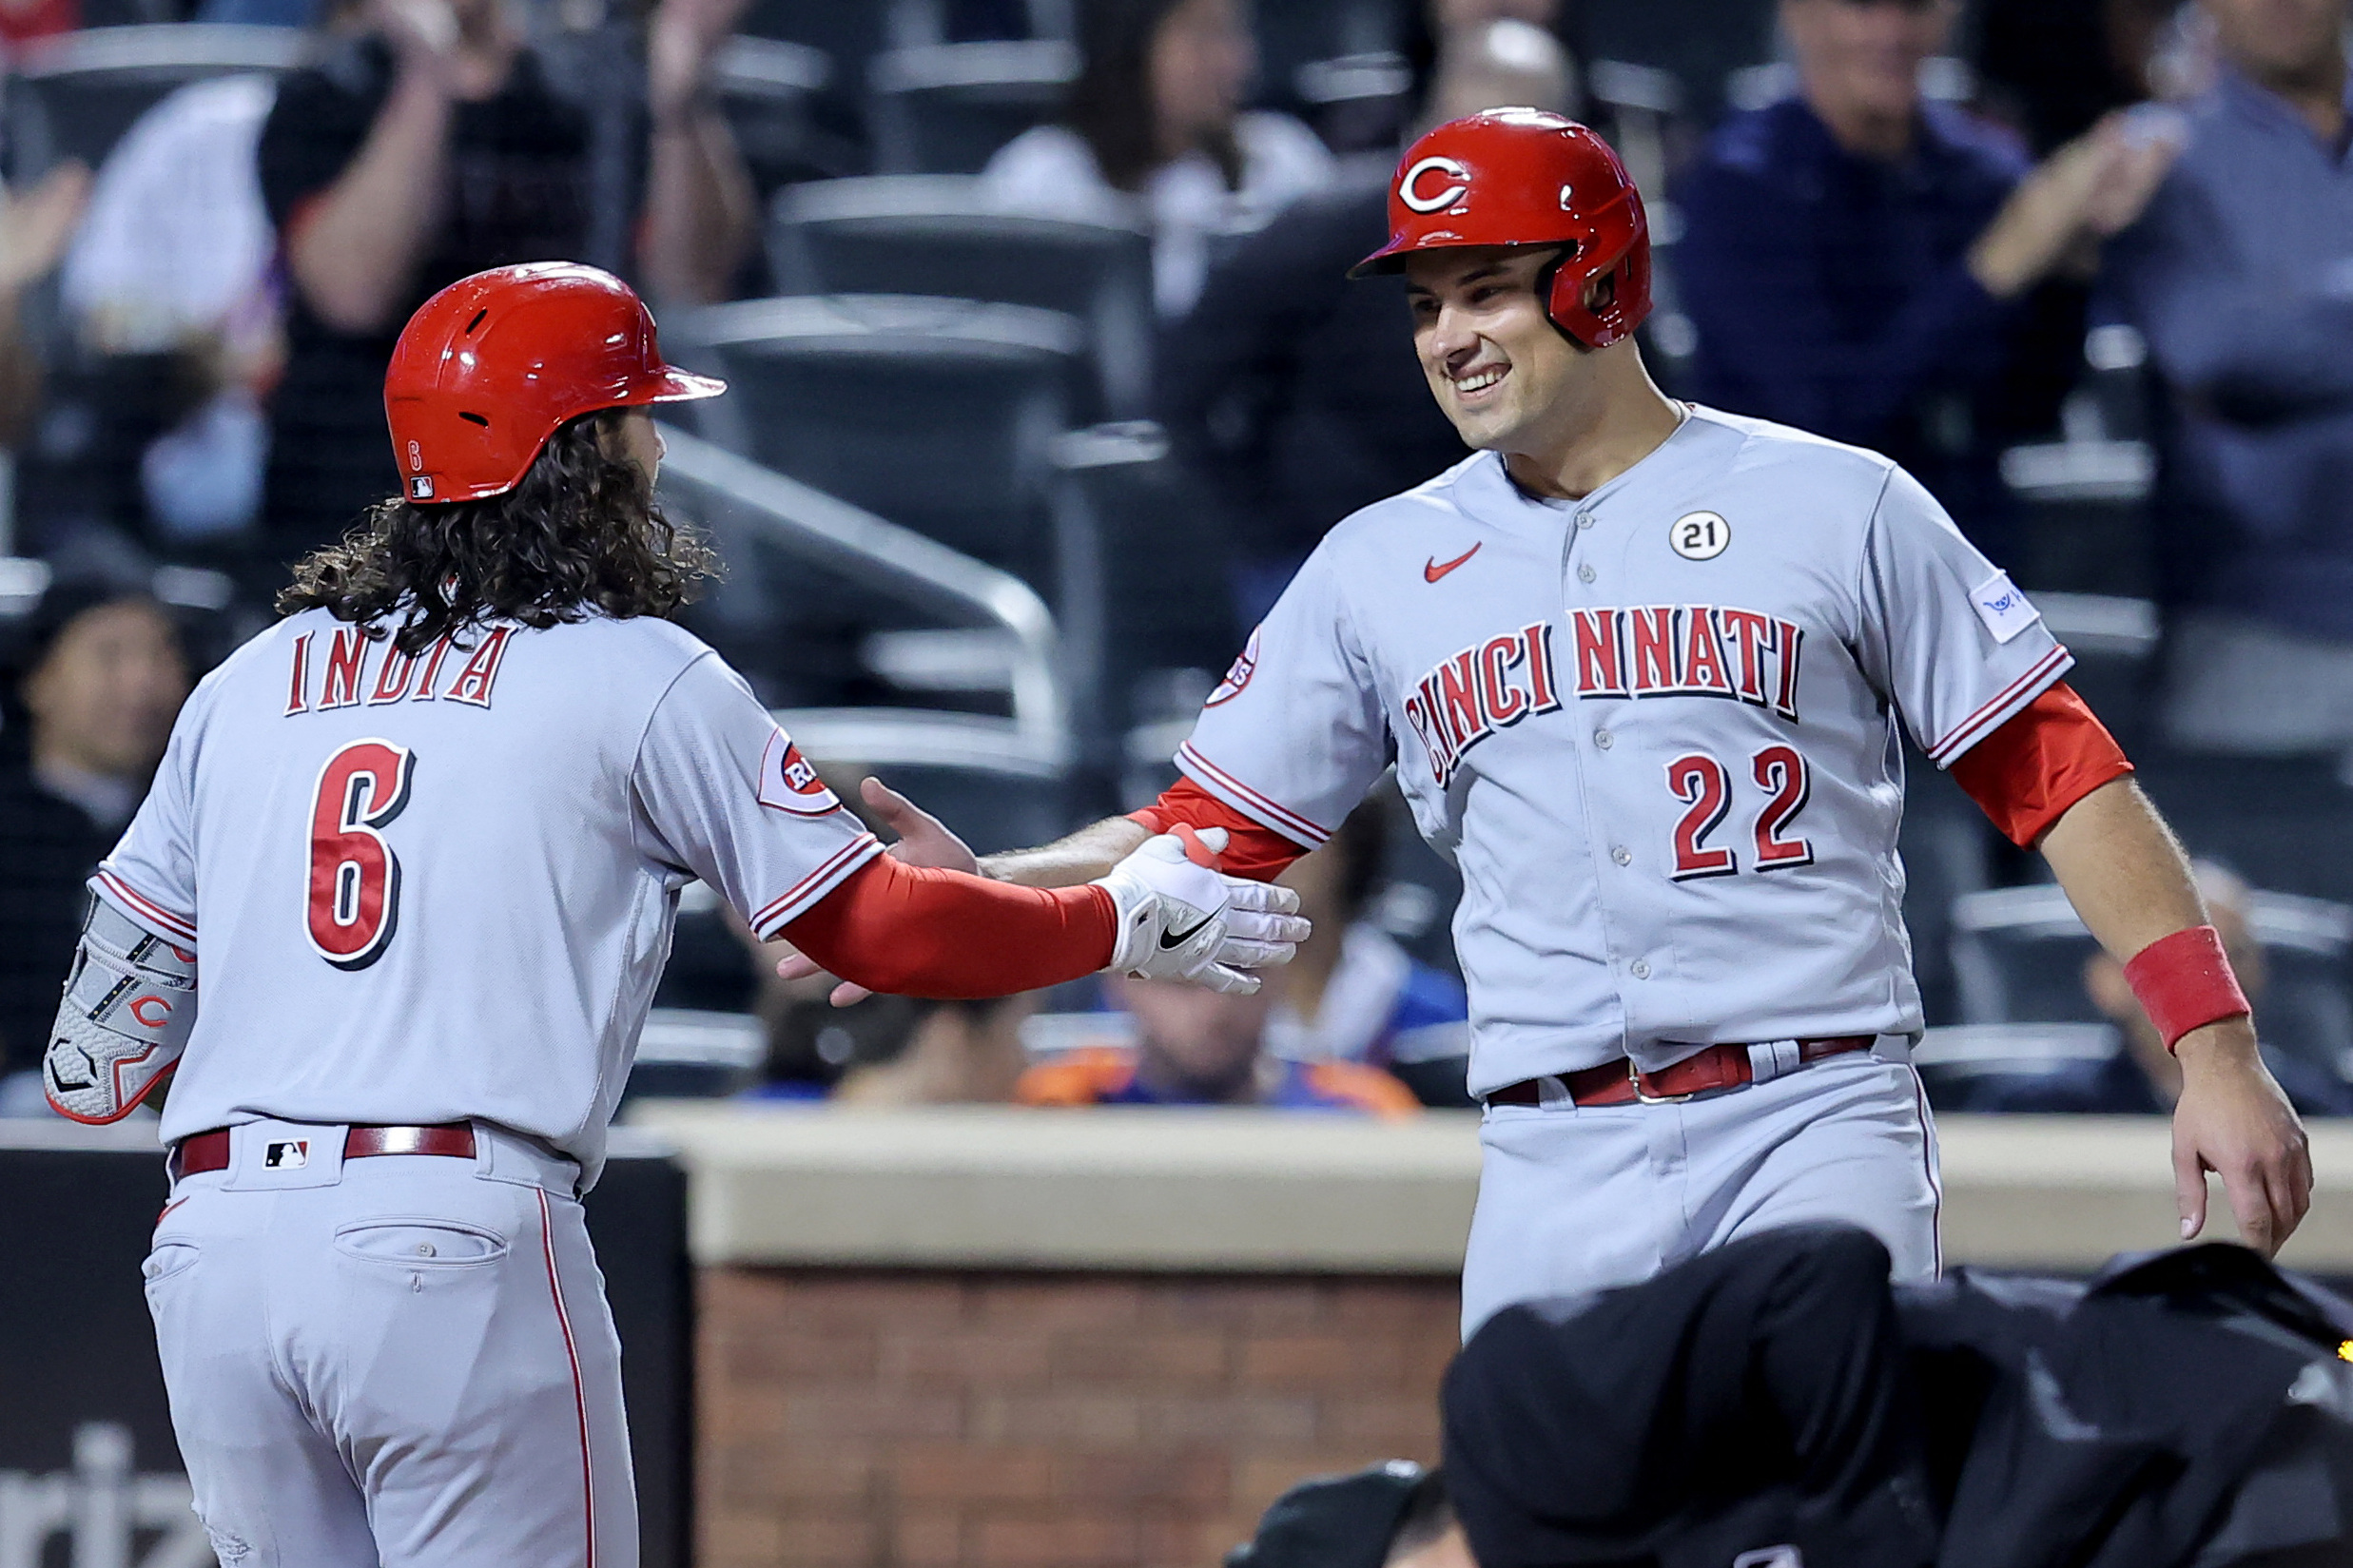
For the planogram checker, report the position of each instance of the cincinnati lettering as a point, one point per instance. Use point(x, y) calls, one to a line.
point(1480, 690)
point(1651, 650)
point(1688, 650)
point(337, 676)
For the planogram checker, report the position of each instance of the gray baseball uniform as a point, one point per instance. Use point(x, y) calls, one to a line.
point(1656, 732)
point(422, 891)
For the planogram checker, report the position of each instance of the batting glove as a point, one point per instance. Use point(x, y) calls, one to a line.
point(1182, 920)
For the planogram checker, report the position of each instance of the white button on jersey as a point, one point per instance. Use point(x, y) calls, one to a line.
point(1640, 969)
point(1733, 817)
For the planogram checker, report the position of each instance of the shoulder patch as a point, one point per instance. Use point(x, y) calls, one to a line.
point(1244, 667)
point(2004, 609)
point(789, 783)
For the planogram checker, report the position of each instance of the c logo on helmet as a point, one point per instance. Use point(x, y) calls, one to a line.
point(1409, 184)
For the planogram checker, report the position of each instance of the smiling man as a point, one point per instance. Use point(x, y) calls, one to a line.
point(1644, 669)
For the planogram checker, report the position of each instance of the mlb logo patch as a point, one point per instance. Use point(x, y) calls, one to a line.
point(285, 1154)
point(421, 488)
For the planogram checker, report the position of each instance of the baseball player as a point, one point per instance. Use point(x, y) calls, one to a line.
point(1642, 670)
point(427, 835)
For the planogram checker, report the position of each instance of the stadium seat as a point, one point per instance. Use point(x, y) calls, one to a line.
point(75, 95)
point(1298, 45)
point(1952, 1060)
point(1143, 592)
point(936, 235)
point(936, 413)
point(816, 562)
point(2019, 955)
point(944, 109)
point(768, 89)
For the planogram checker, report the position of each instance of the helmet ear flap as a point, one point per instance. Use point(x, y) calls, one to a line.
point(1563, 293)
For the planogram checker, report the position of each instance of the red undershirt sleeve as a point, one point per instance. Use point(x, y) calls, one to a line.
point(2046, 757)
point(1252, 849)
point(910, 931)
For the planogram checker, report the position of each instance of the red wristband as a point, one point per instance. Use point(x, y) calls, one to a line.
point(2184, 982)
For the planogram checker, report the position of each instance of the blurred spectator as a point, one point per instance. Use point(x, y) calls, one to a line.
point(1352, 993)
point(2055, 67)
point(812, 1045)
point(2241, 277)
point(430, 147)
point(1295, 390)
point(2143, 1076)
point(23, 21)
point(95, 680)
point(173, 271)
point(1856, 260)
point(1200, 1047)
point(36, 229)
point(1155, 136)
point(963, 1053)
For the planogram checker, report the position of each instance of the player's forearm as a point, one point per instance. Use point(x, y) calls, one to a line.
point(915, 931)
point(2122, 869)
point(1086, 855)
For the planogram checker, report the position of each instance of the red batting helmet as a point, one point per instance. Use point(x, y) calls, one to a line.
point(488, 368)
point(1525, 177)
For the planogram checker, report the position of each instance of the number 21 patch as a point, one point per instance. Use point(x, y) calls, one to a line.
point(789, 783)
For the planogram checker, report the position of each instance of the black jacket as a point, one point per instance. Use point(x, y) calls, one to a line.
point(1779, 1393)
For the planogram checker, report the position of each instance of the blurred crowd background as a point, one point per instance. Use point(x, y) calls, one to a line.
point(1047, 377)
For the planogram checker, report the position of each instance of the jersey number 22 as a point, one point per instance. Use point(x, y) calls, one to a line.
point(1704, 785)
point(354, 892)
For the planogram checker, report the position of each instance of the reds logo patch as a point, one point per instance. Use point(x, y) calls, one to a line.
point(789, 783)
point(1244, 667)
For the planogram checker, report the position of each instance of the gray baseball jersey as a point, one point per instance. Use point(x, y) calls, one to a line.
point(1656, 730)
point(438, 888)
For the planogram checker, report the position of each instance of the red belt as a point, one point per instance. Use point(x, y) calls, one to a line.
point(202, 1152)
point(1718, 1067)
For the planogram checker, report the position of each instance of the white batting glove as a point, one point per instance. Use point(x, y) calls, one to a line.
point(1179, 921)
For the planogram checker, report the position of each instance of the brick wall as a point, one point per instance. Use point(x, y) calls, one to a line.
point(939, 1420)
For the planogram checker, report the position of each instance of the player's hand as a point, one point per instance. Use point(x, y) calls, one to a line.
point(923, 839)
point(1181, 919)
point(2234, 1119)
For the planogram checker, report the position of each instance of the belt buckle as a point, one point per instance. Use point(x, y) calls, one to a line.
point(1634, 1076)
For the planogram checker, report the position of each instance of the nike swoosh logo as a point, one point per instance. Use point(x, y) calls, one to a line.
point(1179, 939)
point(1431, 570)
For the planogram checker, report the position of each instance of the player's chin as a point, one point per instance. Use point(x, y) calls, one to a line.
point(1481, 429)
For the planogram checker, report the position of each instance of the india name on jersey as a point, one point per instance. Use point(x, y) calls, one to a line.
point(1655, 732)
point(433, 888)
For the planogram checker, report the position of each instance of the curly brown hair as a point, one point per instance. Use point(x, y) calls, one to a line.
point(579, 534)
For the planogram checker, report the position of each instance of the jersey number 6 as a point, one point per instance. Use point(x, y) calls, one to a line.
point(1704, 785)
point(354, 891)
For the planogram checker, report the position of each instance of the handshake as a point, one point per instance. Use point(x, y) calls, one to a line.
point(1182, 919)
